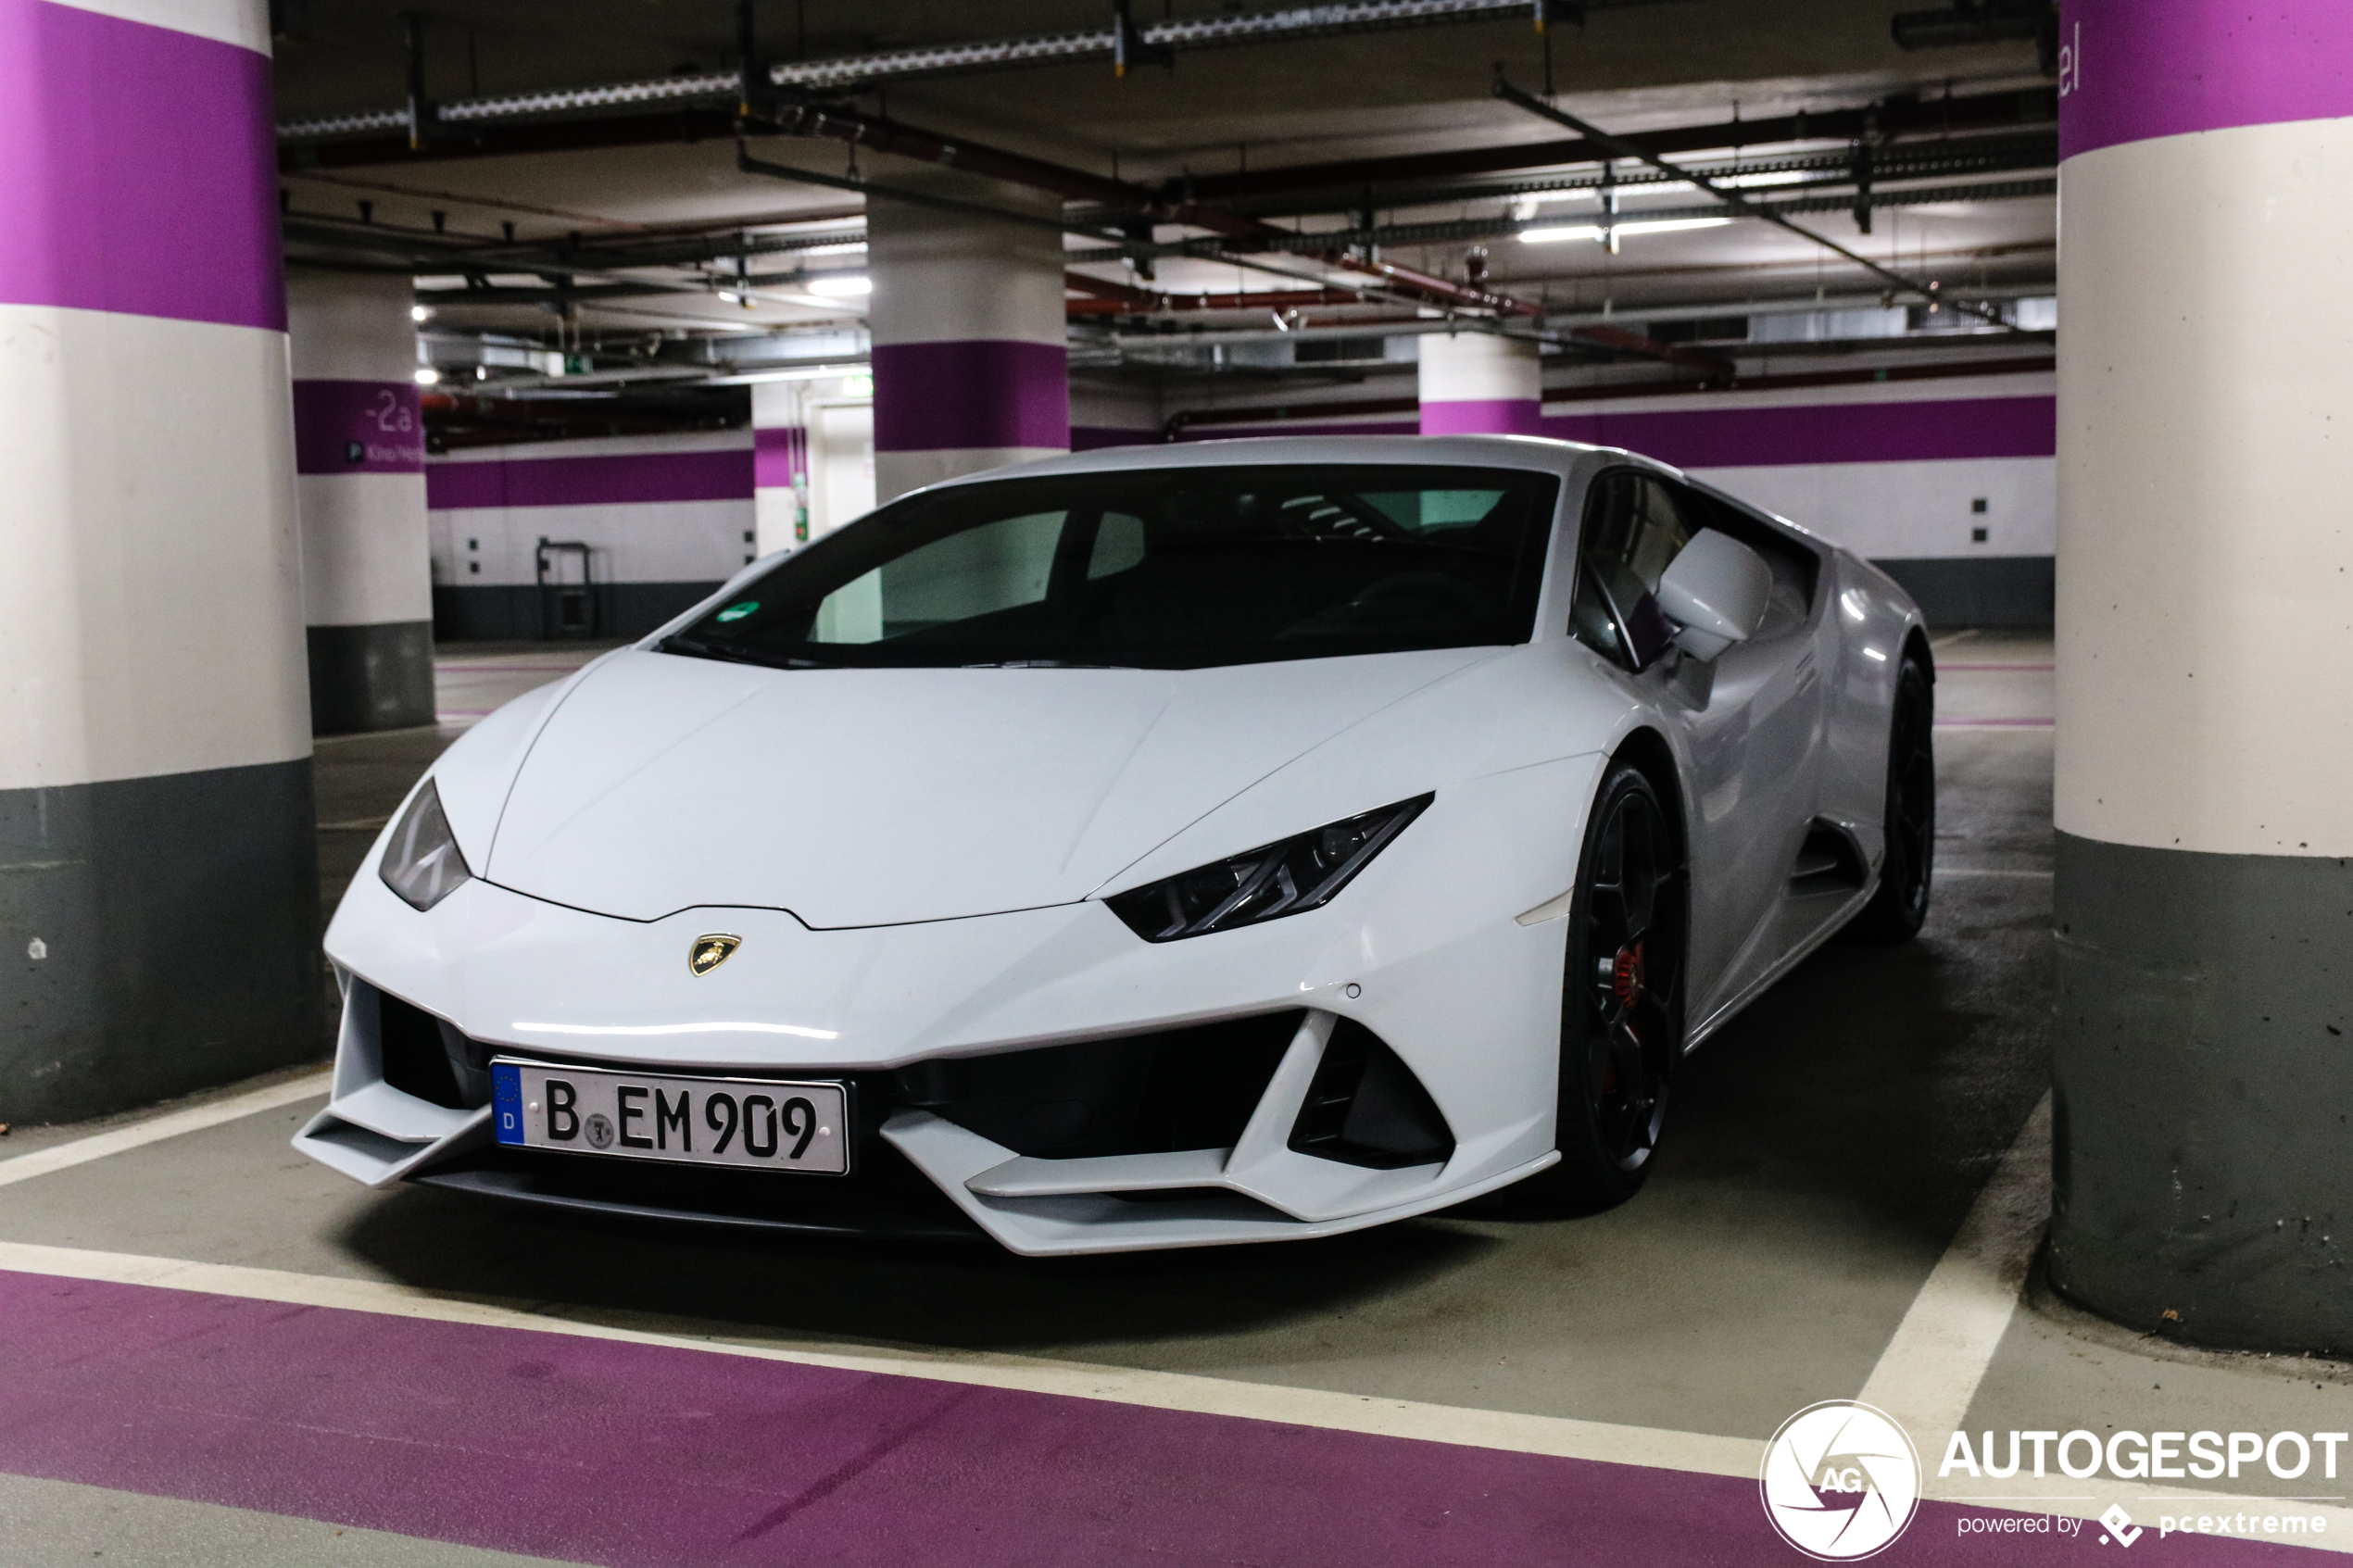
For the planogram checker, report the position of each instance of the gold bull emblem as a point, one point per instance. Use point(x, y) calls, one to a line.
point(709, 952)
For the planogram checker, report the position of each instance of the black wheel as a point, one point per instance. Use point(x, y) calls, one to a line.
point(1896, 911)
point(1622, 998)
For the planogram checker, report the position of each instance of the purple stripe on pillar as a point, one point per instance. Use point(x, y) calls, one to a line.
point(357, 427)
point(1484, 416)
point(957, 397)
point(1825, 432)
point(647, 1455)
point(138, 170)
point(778, 456)
point(587, 481)
point(2134, 69)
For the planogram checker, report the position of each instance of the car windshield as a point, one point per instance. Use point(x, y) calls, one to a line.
point(1167, 568)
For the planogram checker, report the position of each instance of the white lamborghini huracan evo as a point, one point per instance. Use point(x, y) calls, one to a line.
point(1153, 847)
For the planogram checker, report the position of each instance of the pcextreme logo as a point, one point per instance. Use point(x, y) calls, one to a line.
point(1841, 1481)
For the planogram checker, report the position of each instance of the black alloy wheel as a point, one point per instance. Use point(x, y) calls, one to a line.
point(1898, 909)
point(1622, 998)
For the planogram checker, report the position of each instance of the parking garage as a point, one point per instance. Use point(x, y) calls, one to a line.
point(421, 424)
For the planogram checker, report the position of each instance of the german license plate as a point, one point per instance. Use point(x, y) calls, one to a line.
point(750, 1123)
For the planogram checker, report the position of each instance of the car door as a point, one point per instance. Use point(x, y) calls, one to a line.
point(1749, 722)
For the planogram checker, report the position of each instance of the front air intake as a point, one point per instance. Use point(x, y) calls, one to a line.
point(1366, 1108)
point(1173, 1090)
point(425, 1057)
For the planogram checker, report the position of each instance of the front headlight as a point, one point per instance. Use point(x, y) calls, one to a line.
point(422, 864)
point(1270, 882)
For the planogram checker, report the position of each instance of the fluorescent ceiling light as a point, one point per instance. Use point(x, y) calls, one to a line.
point(1593, 231)
point(840, 286)
point(427, 375)
point(1671, 225)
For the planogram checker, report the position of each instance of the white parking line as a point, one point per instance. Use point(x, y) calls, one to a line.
point(1930, 1371)
point(1509, 1432)
point(1696, 1452)
point(97, 1146)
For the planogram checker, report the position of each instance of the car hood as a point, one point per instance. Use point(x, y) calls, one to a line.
point(859, 797)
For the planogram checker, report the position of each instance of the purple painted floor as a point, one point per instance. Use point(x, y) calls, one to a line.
point(646, 1457)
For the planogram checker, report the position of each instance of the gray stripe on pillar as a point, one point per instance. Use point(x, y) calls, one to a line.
point(176, 923)
point(2203, 1066)
point(371, 677)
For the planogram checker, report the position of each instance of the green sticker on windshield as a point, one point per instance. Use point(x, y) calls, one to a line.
point(738, 612)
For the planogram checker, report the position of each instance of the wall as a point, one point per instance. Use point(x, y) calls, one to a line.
point(666, 520)
point(1894, 470)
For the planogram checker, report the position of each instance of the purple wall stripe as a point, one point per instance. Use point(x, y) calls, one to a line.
point(1825, 432)
point(1837, 433)
point(585, 482)
point(140, 171)
point(1239, 433)
point(1484, 416)
point(957, 397)
point(649, 1457)
point(777, 455)
point(357, 427)
point(1094, 438)
point(2134, 69)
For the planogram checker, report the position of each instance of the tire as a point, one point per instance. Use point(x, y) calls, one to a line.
point(1621, 996)
point(1897, 909)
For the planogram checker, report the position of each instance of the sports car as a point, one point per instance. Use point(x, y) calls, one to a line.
point(1151, 847)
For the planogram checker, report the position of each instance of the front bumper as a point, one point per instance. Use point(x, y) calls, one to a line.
point(1422, 955)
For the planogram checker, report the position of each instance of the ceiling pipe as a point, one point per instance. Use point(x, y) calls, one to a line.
point(1730, 198)
point(1143, 41)
point(1895, 118)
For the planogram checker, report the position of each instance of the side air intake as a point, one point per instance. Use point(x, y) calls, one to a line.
point(1830, 861)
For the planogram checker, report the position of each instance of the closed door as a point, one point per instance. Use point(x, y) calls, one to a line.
point(841, 464)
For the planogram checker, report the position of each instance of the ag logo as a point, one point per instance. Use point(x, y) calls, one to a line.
point(1841, 1481)
point(709, 952)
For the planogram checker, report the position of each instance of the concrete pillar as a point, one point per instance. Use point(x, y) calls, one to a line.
point(2203, 1052)
point(969, 362)
point(1477, 384)
point(359, 453)
point(158, 880)
point(779, 466)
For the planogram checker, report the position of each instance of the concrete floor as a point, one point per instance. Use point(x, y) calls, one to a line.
point(1824, 1151)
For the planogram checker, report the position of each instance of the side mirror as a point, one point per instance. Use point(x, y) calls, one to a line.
point(1715, 591)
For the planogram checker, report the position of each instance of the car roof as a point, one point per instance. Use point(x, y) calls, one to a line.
point(1538, 453)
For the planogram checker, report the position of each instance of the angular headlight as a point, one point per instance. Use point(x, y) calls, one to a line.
point(422, 864)
point(1270, 882)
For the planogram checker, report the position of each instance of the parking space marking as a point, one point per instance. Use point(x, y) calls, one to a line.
point(1558, 1437)
point(97, 1146)
point(1930, 1371)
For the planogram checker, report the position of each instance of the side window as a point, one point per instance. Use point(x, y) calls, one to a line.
point(1119, 544)
point(1634, 528)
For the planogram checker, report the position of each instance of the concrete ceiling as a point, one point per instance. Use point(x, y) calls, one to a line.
point(1633, 66)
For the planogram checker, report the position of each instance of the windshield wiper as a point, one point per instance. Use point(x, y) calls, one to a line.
point(1041, 664)
point(694, 648)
